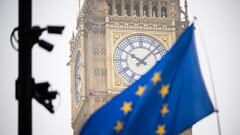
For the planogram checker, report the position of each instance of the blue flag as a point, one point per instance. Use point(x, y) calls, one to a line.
point(167, 100)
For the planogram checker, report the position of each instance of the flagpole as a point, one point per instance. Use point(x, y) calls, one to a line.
point(211, 77)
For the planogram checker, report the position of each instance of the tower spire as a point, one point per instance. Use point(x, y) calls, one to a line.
point(186, 12)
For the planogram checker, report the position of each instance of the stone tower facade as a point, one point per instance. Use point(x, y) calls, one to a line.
point(103, 27)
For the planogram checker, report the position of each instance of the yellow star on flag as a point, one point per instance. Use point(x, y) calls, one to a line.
point(164, 90)
point(127, 107)
point(118, 127)
point(140, 90)
point(164, 110)
point(156, 78)
point(161, 130)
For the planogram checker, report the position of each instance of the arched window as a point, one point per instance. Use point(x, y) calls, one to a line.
point(145, 10)
point(155, 11)
point(127, 8)
point(109, 2)
point(164, 9)
point(136, 8)
point(118, 8)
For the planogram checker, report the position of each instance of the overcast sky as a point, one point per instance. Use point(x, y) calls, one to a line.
point(218, 24)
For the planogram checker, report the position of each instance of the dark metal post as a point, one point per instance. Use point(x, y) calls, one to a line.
point(26, 89)
point(24, 81)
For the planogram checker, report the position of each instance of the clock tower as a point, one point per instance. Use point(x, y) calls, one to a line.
point(116, 42)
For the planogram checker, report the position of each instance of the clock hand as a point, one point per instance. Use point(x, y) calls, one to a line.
point(142, 60)
point(135, 57)
point(138, 59)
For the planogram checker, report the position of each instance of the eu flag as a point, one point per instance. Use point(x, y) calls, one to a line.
point(167, 100)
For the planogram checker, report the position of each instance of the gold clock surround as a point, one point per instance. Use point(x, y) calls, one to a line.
point(116, 84)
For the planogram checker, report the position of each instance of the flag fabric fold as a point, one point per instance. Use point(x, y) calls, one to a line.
point(167, 100)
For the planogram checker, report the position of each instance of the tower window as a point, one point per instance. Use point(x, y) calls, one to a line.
point(164, 9)
point(118, 8)
point(110, 7)
point(136, 8)
point(155, 11)
point(145, 10)
point(127, 7)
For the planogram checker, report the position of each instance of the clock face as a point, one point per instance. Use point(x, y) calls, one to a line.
point(135, 55)
point(77, 77)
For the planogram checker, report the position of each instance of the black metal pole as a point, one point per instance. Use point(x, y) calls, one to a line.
point(24, 81)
